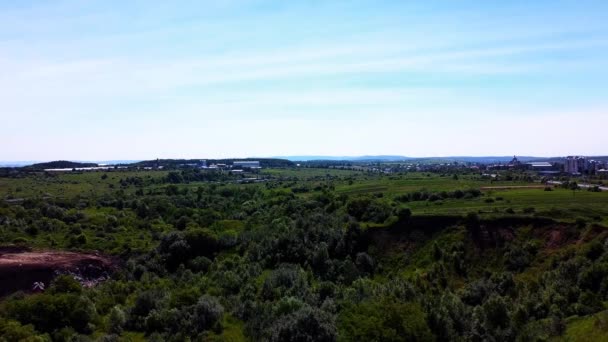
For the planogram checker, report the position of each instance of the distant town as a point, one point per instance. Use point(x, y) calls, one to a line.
point(554, 167)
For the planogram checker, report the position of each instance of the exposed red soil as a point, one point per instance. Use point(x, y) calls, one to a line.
point(556, 238)
point(594, 231)
point(491, 237)
point(20, 268)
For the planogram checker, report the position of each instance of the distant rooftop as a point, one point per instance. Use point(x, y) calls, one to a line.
point(540, 164)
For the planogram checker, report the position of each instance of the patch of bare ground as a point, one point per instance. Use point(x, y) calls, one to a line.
point(21, 268)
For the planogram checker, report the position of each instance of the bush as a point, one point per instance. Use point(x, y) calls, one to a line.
point(117, 320)
point(31, 230)
point(368, 210)
point(404, 214)
point(202, 241)
point(305, 324)
point(200, 264)
point(529, 210)
point(49, 312)
point(517, 258)
point(496, 314)
point(14, 331)
point(208, 312)
point(385, 320)
point(594, 250)
point(285, 281)
point(433, 198)
point(365, 263)
point(581, 222)
point(78, 240)
point(20, 241)
point(65, 284)
point(146, 302)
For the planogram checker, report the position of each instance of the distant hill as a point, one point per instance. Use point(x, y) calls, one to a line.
point(346, 158)
point(490, 159)
point(60, 164)
point(389, 158)
point(172, 163)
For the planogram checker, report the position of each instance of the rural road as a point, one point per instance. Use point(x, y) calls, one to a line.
point(580, 185)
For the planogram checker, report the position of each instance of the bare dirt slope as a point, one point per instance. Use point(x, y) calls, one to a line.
point(20, 268)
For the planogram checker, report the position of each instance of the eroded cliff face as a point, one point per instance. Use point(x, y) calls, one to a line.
point(29, 270)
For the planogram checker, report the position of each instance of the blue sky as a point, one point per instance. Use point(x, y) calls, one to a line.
point(86, 80)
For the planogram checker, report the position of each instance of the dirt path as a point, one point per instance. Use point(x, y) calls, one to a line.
point(20, 268)
point(507, 187)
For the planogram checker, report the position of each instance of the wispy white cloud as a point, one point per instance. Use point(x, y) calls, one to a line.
point(108, 76)
point(341, 68)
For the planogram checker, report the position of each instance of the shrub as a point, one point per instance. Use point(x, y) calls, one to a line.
point(117, 320)
point(146, 302)
point(200, 264)
point(20, 241)
point(31, 230)
point(594, 250)
point(202, 241)
point(367, 209)
point(517, 258)
point(65, 284)
point(208, 312)
point(385, 320)
point(78, 240)
point(496, 314)
point(365, 263)
point(581, 222)
point(49, 312)
point(433, 198)
point(305, 324)
point(404, 214)
point(285, 281)
point(529, 210)
point(14, 331)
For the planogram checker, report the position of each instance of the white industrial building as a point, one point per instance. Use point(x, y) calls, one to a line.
point(252, 164)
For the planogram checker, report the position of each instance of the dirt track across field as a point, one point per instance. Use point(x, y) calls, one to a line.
point(20, 268)
point(507, 187)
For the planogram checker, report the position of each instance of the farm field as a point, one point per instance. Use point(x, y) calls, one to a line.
point(498, 196)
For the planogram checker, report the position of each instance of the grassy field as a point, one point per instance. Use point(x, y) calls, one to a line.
point(559, 203)
point(304, 173)
point(413, 182)
point(69, 184)
point(588, 328)
point(554, 202)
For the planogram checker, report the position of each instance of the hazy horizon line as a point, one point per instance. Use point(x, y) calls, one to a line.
point(287, 157)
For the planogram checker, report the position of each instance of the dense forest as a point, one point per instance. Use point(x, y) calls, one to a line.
point(308, 255)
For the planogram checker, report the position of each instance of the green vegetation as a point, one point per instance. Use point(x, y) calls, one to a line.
point(589, 328)
point(310, 254)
